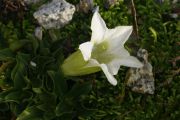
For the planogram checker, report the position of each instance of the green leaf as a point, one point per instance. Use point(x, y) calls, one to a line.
point(3, 94)
point(6, 54)
point(37, 90)
point(60, 85)
point(18, 96)
point(66, 116)
point(46, 107)
point(15, 45)
point(19, 71)
point(85, 112)
point(79, 89)
point(15, 108)
point(48, 110)
point(69, 102)
point(154, 33)
point(13, 97)
point(31, 113)
point(49, 115)
point(64, 108)
point(47, 98)
point(35, 43)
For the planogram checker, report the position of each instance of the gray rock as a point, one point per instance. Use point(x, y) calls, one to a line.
point(38, 33)
point(55, 14)
point(85, 6)
point(141, 80)
point(110, 3)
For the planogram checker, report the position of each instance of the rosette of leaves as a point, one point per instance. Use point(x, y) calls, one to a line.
point(41, 91)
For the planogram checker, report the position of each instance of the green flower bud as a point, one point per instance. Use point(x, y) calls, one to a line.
point(75, 65)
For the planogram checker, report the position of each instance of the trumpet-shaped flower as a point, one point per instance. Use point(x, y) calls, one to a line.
point(106, 48)
point(105, 51)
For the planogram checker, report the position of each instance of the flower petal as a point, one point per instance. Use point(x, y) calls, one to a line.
point(109, 76)
point(113, 66)
point(118, 36)
point(120, 52)
point(98, 28)
point(122, 57)
point(130, 61)
point(86, 49)
point(92, 63)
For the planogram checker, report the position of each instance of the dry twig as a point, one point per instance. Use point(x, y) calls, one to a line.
point(135, 25)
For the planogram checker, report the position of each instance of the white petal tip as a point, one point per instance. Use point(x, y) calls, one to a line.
point(131, 61)
point(139, 65)
point(109, 76)
point(98, 27)
point(128, 28)
point(114, 84)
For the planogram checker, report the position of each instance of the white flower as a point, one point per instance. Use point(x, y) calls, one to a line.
point(106, 48)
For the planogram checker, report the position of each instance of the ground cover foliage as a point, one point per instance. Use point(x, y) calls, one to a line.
point(43, 93)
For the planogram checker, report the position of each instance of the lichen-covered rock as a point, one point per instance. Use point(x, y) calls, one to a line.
point(141, 80)
point(55, 14)
point(110, 3)
point(85, 6)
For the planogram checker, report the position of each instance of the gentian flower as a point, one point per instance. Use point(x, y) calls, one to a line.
point(105, 51)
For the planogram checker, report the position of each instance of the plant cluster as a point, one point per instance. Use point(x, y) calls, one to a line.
point(33, 87)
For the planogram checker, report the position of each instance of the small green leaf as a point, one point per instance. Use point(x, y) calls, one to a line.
point(35, 43)
point(18, 96)
point(31, 113)
point(63, 108)
point(4, 94)
point(19, 71)
point(15, 45)
point(85, 112)
point(79, 89)
point(47, 97)
point(49, 115)
point(67, 116)
point(6, 54)
point(154, 34)
point(13, 97)
point(60, 85)
point(46, 107)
